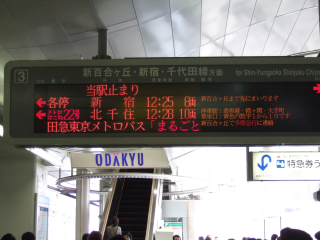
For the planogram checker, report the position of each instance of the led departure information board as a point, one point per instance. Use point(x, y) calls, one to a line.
point(163, 102)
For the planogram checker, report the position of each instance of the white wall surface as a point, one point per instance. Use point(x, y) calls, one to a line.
point(174, 208)
point(17, 190)
point(177, 209)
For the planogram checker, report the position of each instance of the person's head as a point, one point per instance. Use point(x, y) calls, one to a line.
point(115, 221)
point(28, 236)
point(274, 236)
point(176, 237)
point(117, 237)
point(8, 236)
point(294, 234)
point(95, 235)
point(208, 237)
point(127, 236)
point(201, 238)
point(85, 236)
point(215, 238)
point(317, 235)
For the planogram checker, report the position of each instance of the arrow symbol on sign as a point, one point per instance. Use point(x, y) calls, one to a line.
point(40, 102)
point(262, 166)
point(317, 88)
point(40, 114)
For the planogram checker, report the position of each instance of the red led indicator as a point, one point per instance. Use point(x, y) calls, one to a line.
point(41, 114)
point(40, 102)
point(317, 88)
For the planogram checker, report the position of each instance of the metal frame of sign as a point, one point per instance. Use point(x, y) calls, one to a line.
point(159, 139)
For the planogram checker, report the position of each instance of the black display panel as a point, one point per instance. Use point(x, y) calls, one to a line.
point(176, 107)
point(162, 102)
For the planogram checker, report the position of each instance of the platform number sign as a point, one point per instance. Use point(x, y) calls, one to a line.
point(21, 76)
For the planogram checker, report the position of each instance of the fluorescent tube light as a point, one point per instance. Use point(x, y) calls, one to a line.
point(45, 156)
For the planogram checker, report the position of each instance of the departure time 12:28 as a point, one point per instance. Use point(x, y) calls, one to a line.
point(155, 103)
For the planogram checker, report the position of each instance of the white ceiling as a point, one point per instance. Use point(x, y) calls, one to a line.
point(59, 29)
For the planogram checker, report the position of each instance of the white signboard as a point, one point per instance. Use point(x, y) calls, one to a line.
point(142, 158)
point(286, 166)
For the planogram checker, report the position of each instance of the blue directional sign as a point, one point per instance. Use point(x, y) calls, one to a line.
point(281, 164)
point(293, 166)
point(264, 166)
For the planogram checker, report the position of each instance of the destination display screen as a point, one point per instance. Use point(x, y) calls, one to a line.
point(176, 107)
point(162, 102)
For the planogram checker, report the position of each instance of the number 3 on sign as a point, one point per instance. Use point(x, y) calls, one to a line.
point(21, 76)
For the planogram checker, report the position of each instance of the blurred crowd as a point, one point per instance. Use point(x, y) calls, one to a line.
point(285, 234)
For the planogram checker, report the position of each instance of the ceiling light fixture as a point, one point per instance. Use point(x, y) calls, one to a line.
point(96, 150)
point(45, 156)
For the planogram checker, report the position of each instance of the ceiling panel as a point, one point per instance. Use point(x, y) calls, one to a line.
point(257, 38)
point(121, 26)
point(310, 3)
point(234, 43)
point(301, 31)
point(59, 50)
point(157, 37)
point(4, 58)
point(192, 53)
point(288, 6)
point(84, 35)
point(212, 49)
point(89, 48)
point(186, 29)
point(76, 16)
point(147, 10)
point(39, 21)
point(12, 34)
point(111, 29)
point(127, 43)
point(213, 20)
point(110, 51)
point(313, 41)
point(177, 5)
point(240, 14)
point(112, 12)
point(279, 34)
point(27, 54)
point(265, 9)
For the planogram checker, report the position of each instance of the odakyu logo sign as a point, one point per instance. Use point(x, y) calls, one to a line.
point(142, 158)
point(119, 160)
